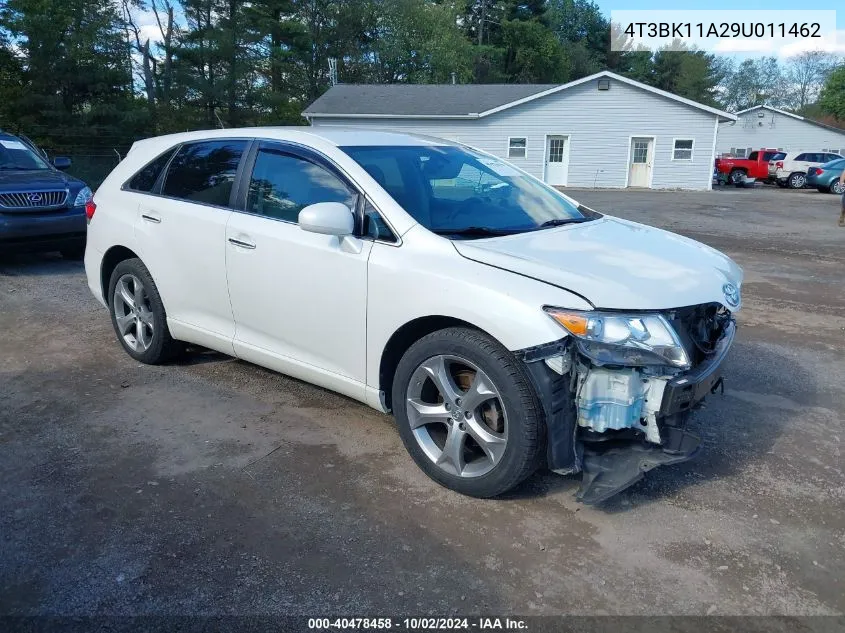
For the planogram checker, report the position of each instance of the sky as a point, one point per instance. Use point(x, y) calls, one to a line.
point(724, 5)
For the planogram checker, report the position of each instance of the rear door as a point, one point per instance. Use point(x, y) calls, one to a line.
point(181, 231)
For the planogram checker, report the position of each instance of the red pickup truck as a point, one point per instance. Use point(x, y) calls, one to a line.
point(755, 166)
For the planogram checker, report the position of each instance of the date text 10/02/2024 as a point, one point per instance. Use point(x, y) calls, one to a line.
point(419, 624)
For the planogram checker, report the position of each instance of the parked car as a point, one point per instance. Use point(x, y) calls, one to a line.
point(825, 178)
point(791, 170)
point(41, 208)
point(504, 325)
point(755, 166)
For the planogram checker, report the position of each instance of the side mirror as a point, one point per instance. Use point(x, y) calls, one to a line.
point(61, 162)
point(327, 218)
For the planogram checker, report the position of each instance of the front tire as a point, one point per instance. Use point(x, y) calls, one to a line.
point(797, 180)
point(137, 314)
point(467, 412)
point(837, 187)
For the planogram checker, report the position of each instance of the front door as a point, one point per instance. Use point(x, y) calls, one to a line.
point(557, 160)
point(299, 299)
point(642, 155)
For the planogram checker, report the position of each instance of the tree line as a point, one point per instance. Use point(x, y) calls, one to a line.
point(84, 74)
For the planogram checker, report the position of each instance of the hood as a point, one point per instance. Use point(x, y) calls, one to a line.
point(616, 264)
point(31, 179)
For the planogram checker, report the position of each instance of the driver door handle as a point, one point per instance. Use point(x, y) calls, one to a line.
point(241, 243)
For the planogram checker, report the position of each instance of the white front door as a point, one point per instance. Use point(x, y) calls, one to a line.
point(299, 299)
point(557, 160)
point(642, 157)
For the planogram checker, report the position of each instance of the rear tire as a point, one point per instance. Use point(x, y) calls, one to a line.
point(138, 316)
point(797, 180)
point(836, 187)
point(506, 418)
point(736, 176)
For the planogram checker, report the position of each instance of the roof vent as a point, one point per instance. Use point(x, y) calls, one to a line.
point(604, 84)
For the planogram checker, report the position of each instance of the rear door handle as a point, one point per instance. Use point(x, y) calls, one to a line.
point(151, 218)
point(241, 243)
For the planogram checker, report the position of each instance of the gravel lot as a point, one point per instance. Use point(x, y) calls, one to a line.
point(215, 487)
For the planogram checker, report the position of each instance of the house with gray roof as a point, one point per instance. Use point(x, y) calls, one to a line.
point(766, 127)
point(604, 130)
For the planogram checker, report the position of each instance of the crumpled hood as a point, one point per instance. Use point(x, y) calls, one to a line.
point(615, 264)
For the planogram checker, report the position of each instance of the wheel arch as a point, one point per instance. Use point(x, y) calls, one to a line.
point(404, 337)
point(112, 257)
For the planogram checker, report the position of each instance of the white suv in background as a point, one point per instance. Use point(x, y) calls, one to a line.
point(791, 170)
point(506, 326)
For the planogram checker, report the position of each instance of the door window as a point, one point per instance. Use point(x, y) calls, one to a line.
point(640, 151)
point(204, 172)
point(751, 156)
point(556, 147)
point(283, 184)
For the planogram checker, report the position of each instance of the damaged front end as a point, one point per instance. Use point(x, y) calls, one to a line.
point(618, 392)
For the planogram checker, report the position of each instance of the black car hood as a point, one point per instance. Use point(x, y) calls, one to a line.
point(35, 179)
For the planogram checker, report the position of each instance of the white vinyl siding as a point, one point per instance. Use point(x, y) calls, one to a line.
point(775, 130)
point(599, 125)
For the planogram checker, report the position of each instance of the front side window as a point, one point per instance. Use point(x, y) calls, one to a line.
point(146, 179)
point(516, 147)
point(283, 184)
point(204, 172)
point(457, 191)
point(15, 155)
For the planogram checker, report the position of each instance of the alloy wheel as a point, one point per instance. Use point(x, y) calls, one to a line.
point(797, 181)
point(838, 187)
point(133, 313)
point(457, 416)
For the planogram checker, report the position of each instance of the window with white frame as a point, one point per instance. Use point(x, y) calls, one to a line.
point(517, 146)
point(682, 149)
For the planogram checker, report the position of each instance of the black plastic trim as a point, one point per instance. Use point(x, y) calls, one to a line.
point(685, 391)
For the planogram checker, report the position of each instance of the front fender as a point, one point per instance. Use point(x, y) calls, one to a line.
point(425, 276)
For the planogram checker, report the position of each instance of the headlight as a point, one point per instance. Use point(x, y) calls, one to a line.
point(612, 338)
point(83, 197)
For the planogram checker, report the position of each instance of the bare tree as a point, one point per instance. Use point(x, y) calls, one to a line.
point(806, 73)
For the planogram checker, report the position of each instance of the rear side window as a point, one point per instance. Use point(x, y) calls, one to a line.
point(752, 156)
point(204, 172)
point(801, 157)
point(146, 179)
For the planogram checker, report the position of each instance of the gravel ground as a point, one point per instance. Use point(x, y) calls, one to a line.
point(216, 487)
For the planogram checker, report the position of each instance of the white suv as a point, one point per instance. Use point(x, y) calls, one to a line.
point(791, 170)
point(504, 325)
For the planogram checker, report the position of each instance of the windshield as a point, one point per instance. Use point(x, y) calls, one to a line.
point(16, 155)
point(453, 190)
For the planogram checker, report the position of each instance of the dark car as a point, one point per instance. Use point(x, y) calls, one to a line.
point(825, 177)
point(41, 208)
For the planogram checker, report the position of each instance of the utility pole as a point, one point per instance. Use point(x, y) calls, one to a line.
point(481, 22)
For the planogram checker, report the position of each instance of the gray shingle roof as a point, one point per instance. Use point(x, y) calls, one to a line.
point(420, 99)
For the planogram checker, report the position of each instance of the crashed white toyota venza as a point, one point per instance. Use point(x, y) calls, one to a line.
point(504, 325)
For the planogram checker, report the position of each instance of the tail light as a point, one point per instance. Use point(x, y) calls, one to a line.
point(90, 208)
point(815, 171)
point(779, 164)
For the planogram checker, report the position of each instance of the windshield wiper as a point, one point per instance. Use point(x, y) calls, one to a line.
point(561, 222)
point(480, 231)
